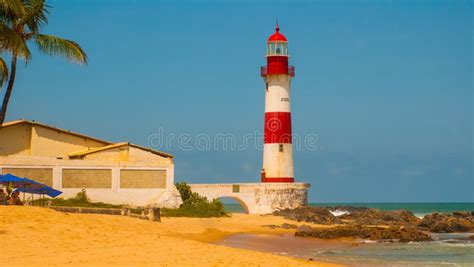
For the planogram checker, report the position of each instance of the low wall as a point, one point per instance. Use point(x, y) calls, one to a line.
point(152, 214)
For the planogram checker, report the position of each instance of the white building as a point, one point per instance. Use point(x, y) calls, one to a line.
point(118, 173)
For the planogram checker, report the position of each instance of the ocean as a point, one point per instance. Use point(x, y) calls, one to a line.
point(446, 249)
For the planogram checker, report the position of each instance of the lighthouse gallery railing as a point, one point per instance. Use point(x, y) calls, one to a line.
point(291, 71)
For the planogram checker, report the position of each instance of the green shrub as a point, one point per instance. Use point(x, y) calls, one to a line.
point(82, 197)
point(195, 205)
point(80, 200)
point(184, 190)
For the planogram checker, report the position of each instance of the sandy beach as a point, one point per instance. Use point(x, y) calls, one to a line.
point(39, 236)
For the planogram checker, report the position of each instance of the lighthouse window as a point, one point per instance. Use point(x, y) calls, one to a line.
point(271, 48)
point(277, 49)
point(281, 147)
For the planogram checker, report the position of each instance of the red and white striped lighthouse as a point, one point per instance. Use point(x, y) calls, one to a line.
point(277, 150)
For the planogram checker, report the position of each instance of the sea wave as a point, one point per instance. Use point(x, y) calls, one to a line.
point(339, 212)
point(457, 244)
point(420, 215)
point(328, 252)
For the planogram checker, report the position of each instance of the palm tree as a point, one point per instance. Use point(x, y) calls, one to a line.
point(9, 39)
point(20, 25)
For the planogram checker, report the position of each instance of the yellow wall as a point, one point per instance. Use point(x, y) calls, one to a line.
point(114, 154)
point(136, 154)
point(53, 143)
point(130, 156)
point(15, 139)
point(50, 145)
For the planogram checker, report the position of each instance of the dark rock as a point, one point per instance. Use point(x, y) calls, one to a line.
point(349, 209)
point(309, 214)
point(271, 226)
point(459, 221)
point(462, 214)
point(284, 226)
point(393, 233)
point(304, 228)
point(288, 226)
point(448, 223)
point(377, 217)
point(357, 215)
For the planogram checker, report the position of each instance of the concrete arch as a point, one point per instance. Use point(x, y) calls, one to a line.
point(257, 198)
point(241, 202)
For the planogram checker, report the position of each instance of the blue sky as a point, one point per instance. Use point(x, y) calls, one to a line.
point(385, 85)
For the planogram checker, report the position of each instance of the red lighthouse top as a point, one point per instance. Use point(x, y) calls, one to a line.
point(277, 56)
point(277, 36)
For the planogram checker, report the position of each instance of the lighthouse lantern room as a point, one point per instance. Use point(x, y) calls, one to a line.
point(278, 150)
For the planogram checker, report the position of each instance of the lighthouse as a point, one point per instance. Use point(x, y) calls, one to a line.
point(277, 149)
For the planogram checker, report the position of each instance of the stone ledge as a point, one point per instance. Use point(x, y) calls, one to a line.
point(152, 214)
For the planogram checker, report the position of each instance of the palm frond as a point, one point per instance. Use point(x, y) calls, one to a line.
point(11, 10)
point(11, 41)
point(3, 72)
point(56, 46)
point(36, 15)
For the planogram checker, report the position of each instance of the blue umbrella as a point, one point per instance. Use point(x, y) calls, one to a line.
point(46, 190)
point(9, 178)
point(26, 185)
point(18, 182)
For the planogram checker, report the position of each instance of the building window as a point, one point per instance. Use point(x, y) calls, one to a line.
point(235, 188)
point(281, 147)
point(87, 178)
point(150, 179)
point(266, 87)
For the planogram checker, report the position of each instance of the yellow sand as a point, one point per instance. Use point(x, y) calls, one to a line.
point(39, 236)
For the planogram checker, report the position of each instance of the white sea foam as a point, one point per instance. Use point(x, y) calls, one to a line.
point(339, 212)
point(419, 215)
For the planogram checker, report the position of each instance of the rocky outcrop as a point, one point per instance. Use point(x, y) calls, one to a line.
point(282, 226)
point(309, 214)
point(363, 216)
point(374, 224)
point(448, 223)
point(378, 217)
point(393, 233)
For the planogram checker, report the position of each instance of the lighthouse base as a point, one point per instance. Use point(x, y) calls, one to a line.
point(258, 198)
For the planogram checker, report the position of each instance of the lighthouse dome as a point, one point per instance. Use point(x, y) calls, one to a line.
point(277, 36)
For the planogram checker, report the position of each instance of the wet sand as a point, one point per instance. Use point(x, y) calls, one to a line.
point(285, 244)
point(44, 237)
point(447, 250)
